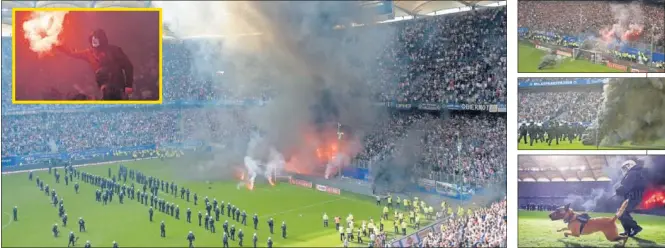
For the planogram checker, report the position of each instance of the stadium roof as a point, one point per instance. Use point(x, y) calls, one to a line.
point(570, 168)
point(402, 9)
point(415, 8)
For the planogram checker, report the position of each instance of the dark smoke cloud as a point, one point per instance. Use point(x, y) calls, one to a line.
point(396, 172)
point(633, 110)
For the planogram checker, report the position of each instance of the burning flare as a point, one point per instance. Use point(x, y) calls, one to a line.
point(653, 198)
point(625, 34)
point(43, 29)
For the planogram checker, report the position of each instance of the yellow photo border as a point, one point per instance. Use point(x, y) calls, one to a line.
point(160, 56)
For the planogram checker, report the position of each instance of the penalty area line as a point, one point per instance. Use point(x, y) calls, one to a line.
point(303, 207)
point(10, 220)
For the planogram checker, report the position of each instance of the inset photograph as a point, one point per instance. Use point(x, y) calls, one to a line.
point(591, 36)
point(92, 56)
point(591, 201)
point(591, 113)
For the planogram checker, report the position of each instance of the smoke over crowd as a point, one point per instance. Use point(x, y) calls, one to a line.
point(629, 23)
point(317, 77)
point(633, 110)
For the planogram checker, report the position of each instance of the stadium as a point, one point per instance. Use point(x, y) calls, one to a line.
point(309, 112)
point(588, 183)
point(564, 113)
point(592, 36)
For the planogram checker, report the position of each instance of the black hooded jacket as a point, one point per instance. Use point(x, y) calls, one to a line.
point(110, 64)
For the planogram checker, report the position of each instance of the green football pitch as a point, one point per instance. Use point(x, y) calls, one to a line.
point(537, 230)
point(529, 57)
point(577, 145)
point(128, 224)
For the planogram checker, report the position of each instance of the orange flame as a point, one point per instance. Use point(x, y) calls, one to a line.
point(271, 181)
point(653, 198)
point(43, 29)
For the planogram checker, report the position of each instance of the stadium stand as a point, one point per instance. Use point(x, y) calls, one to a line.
point(570, 106)
point(566, 99)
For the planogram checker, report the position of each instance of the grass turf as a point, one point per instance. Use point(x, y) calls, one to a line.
point(129, 224)
point(577, 145)
point(529, 57)
point(537, 230)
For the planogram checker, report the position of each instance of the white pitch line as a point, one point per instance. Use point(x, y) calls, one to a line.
point(303, 207)
point(10, 220)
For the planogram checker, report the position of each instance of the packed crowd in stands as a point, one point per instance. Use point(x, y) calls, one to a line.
point(590, 17)
point(481, 139)
point(6, 72)
point(465, 62)
point(69, 132)
point(485, 228)
point(569, 106)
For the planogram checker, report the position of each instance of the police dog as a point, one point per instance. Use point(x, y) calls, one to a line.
point(582, 224)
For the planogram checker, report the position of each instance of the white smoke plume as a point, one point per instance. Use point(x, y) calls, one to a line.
point(338, 161)
point(587, 202)
point(275, 164)
point(257, 164)
point(253, 169)
point(599, 196)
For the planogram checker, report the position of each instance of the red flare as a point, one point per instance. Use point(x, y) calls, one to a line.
point(633, 34)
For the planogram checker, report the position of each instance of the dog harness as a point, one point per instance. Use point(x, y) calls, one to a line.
point(582, 218)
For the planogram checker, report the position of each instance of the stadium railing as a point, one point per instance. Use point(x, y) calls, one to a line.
point(90, 156)
point(34, 109)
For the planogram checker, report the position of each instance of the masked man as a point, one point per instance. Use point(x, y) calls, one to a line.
point(114, 72)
